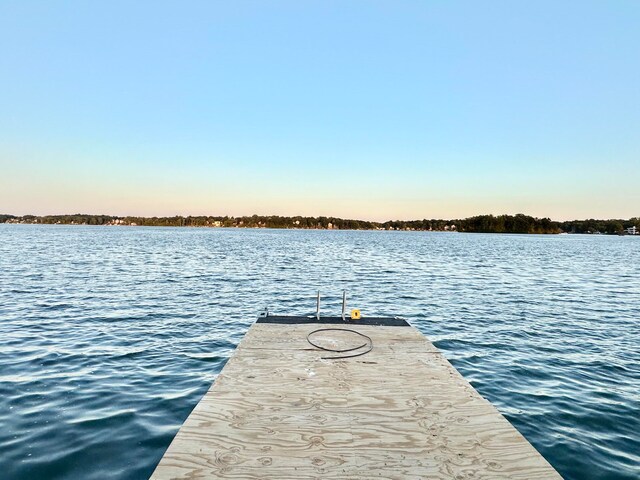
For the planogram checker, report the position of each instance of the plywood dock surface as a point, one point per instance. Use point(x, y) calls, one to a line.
point(279, 411)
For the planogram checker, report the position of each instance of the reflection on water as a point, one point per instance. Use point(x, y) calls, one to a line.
point(109, 336)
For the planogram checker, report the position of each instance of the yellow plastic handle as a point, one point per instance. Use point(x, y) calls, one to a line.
point(355, 314)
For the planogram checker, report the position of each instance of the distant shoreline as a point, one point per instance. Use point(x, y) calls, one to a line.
point(522, 224)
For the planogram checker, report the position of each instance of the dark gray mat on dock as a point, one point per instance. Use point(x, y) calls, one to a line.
point(380, 321)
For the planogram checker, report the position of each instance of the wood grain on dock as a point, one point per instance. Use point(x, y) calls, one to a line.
point(278, 410)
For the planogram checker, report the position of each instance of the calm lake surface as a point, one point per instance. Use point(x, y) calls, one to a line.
point(109, 336)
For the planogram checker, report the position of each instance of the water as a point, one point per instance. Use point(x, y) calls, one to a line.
point(109, 336)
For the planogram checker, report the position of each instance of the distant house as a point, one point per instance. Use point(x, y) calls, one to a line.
point(632, 231)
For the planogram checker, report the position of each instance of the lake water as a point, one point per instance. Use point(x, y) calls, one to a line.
point(109, 336)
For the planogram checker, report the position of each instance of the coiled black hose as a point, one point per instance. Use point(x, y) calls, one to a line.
point(368, 343)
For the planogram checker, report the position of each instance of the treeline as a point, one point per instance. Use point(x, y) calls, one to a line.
point(255, 221)
point(482, 223)
point(599, 226)
point(508, 224)
point(79, 219)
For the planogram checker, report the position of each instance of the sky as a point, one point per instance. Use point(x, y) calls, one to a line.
point(357, 109)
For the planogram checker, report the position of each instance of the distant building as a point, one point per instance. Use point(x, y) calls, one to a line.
point(632, 231)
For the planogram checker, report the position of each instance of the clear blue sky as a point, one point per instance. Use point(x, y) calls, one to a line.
point(362, 109)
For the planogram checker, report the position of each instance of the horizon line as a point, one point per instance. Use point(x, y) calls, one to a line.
point(317, 216)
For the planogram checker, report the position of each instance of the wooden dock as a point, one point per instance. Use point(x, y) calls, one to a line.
point(279, 410)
